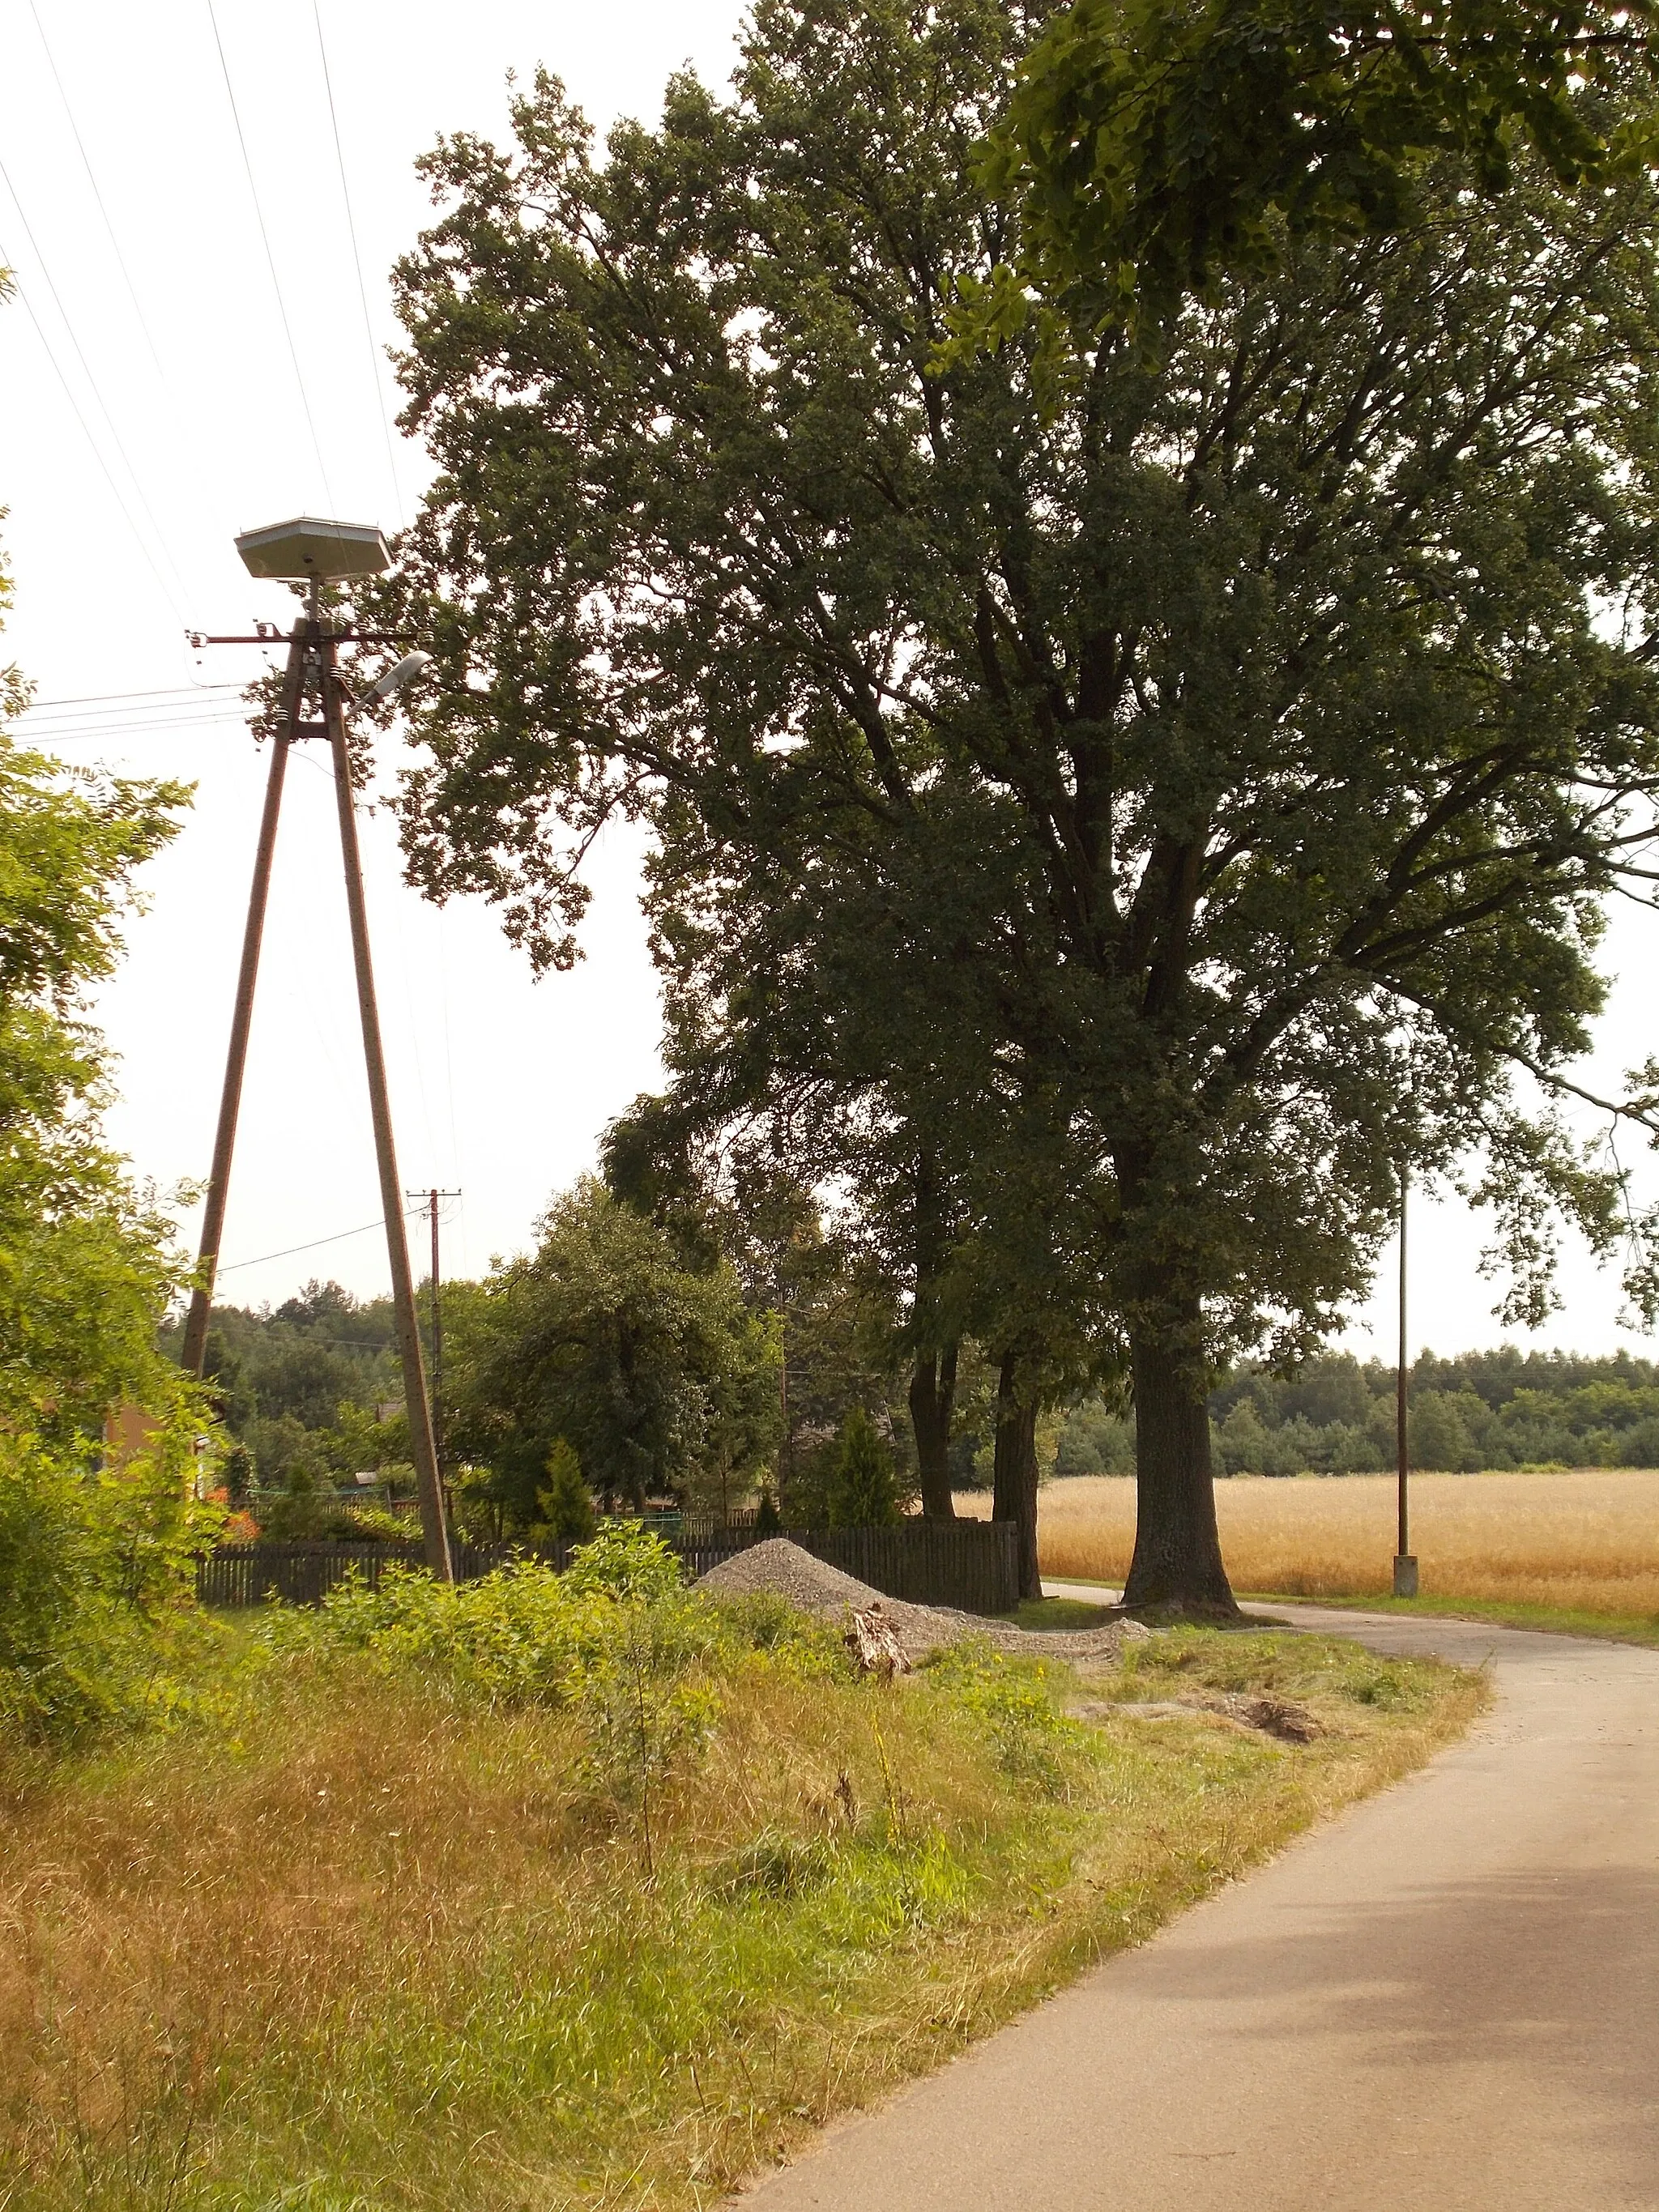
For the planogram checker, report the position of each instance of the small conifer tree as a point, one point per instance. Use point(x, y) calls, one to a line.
point(567, 1506)
point(768, 1519)
point(862, 1493)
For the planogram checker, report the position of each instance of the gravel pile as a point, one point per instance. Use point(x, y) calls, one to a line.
point(778, 1565)
point(816, 1587)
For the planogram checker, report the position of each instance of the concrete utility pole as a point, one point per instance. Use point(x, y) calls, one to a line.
point(316, 552)
point(1405, 1566)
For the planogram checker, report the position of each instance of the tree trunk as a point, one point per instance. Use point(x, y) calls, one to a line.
point(932, 1393)
point(1014, 1492)
point(1177, 1558)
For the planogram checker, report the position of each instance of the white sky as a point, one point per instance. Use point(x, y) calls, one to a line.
point(150, 408)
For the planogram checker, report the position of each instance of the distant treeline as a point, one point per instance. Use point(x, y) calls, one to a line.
point(285, 1372)
point(293, 1378)
point(1483, 1409)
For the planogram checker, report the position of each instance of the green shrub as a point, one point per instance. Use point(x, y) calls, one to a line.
point(524, 1635)
point(564, 1501)
point(862, 1491)
point(94, 1569)
point(351, 1522)
point(625, 1560)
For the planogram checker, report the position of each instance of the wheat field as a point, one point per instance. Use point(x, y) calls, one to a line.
point(1587, 1540)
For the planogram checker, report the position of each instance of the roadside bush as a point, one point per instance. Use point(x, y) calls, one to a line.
point(625, 1560)
point(94, 1569)
point(523, 1635)
point(55, 1671)
point(348, 1522)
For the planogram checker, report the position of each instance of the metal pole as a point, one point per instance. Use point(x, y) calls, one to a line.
point(230, 1100)
point(422, 1446)
point(1405, 1566)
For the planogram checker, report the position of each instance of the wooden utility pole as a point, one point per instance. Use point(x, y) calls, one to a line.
point(194, 1354)
point(422, 1445)
point(312, 550)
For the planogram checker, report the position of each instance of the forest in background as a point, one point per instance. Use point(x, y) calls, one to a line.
point(311, 1392)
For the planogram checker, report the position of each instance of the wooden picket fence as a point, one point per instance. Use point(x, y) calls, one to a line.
point(972, 1565)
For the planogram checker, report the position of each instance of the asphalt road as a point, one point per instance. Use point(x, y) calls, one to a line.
point(1446, 2001)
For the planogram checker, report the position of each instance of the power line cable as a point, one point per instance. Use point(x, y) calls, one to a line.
point(362, 288)
point(116, 718)
point(271, 258)
point(139, 538)
point(115, 243)
point(85, 370)
point(146, 710)
point(182, 716)
point(289, 1250)
point(113, 698)
point(107, 733)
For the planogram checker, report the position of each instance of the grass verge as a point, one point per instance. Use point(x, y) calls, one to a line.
point(1058, 1614)
point(404, 1914)
point(1551, 1620)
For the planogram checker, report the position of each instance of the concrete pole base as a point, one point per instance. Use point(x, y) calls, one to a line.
point(1405, 1574)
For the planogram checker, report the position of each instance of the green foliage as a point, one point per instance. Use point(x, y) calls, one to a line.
point(1157, 806)
point(1437, 1430)
point(565, 1501)
point(60, 1648)
point(658, 1376)
point(94, 1569)
point(86, 1266)
point(768, 1519)
point(862, 1493)
point(1495, 1409)
point(764, 1620)
point(299, 1384)
point(1095, 1440)
point(1296, 1666)
point(1151, 149)
point(153, 1511)
point(625, 1561)
point(1035, 1742)
point(92, 1557)
point(364, 1521)
point(523, 1635)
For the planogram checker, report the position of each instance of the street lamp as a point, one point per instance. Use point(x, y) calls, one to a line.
point(395, 678)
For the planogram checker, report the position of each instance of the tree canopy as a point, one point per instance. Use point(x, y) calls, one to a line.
point(1153, 149)
point(91, 1544)
point(87, 1263)
point(1165, 807)
point(656, 1377)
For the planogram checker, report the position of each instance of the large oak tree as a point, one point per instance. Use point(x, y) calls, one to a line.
point(1173, 793)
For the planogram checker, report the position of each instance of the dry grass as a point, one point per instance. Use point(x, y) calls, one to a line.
point(1586, 1541)
point(361, 1945)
